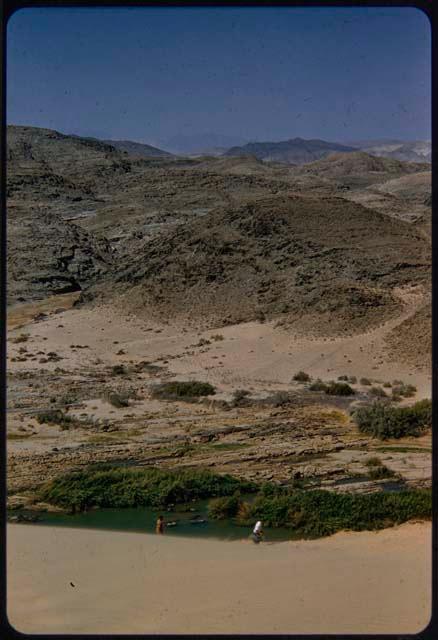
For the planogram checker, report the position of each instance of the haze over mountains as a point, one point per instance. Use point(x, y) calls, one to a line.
point(296, 151)
point(417, 151)
point(293, 151)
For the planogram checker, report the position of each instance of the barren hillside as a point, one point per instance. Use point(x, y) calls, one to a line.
point(325, 261)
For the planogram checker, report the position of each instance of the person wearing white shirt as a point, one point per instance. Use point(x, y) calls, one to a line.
point(257, 533)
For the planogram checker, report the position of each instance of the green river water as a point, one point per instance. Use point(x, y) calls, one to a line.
point(142, 520)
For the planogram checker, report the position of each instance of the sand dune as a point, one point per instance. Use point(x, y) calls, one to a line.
point(126, 582)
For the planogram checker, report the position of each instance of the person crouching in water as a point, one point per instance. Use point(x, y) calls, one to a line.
point(257, 534)
point(159, 527)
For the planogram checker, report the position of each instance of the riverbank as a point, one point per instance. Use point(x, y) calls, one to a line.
point(367, 582)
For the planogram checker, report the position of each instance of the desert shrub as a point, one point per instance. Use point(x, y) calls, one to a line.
point(56, 417)
point(118, 487)
point(202, 342)
point(182, 390)
point(118, 370)
point(147, 366)
point(365, 382)
point(302, 376)
point(278, 399)
point(339, 389)
point(239, 396)
point(380, 471)
point(350, 379)
point(383, 421)
point(373, 462)
point(378, 392)
point(404, 390)
point(117, 400)
point(23, 337)
point(69, 398)
point(387, 385)
point(318, 385)
point(318, 513)
point(216, 337)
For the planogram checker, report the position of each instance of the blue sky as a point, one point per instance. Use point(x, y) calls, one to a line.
point(149, 74)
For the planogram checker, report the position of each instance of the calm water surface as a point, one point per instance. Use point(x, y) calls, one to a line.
point(142, 520)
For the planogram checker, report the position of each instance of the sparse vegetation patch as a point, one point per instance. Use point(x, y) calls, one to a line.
point(339, 389)
point(182, 390)
point(302, 376)
point(383, 421)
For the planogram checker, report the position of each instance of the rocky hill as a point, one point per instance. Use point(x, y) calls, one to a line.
point(81, 212)
point(359, 167)
point(138, 149)
point(295, 151)
point(326, 263)
point(48, 256)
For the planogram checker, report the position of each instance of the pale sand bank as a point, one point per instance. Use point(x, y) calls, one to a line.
point(126, 582)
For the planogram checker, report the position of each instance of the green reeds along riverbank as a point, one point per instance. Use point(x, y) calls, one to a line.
point(109, 486)
point(307, 513)
point(319, 513)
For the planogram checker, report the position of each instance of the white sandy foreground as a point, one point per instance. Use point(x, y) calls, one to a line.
point(368, 582)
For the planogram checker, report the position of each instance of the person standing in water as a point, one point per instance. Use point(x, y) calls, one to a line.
point(257, 534)
point(159, 527)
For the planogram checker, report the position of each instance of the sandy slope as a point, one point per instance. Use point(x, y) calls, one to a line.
point(251, 355)
point(125, 582)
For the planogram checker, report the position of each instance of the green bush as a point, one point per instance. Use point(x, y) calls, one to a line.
point(378, 392)
point(318, 385)
point(301, 376)
point(403, 390)
point(227, 507)
point(117, 400)
point(240, 396)
point(56, 417)
point(118, 370)
point(373, 462)
point(107, 486)
point(339, 389)
point(182, 390)
point(312, 514)
point(380, 471)
point(383, 421)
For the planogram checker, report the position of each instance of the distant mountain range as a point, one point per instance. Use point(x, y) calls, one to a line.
point(295, 151)
point(417, 151)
